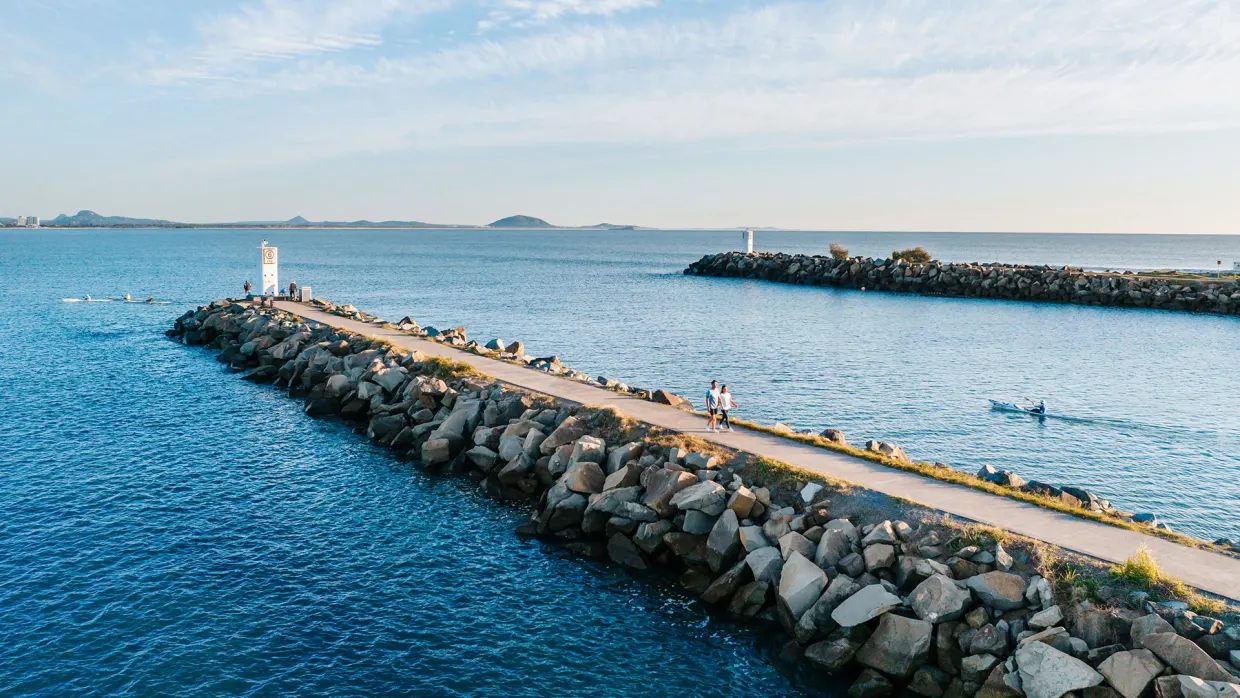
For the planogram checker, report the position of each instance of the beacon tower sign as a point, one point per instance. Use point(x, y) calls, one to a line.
point(268, 270)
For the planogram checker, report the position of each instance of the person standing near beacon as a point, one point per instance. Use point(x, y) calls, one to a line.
point(292, 290)
point(247, 288)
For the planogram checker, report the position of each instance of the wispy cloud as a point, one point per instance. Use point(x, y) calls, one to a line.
point(775, 75)
point(274, 30)
point(522, 13)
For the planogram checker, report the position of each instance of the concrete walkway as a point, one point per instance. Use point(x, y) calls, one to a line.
point(1217, 574)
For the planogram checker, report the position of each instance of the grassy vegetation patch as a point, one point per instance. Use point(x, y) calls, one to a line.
point(967, 480)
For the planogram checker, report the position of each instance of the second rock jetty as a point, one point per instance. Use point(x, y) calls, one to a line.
point(1001, 281)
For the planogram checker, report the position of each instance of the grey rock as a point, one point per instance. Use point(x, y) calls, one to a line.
point(801, 582)
point(865, 605)
point(1045, 672)
point(765, 563)
point(844, 526)
point(1148, 625)
point(881, 533)
point(584, 477)
point(817, 620)
point(795, 542)
point(897, 647)
point(1002, 590)
point(726, 584)
point(1184, 656)
point(1132, 673)
point(976, 667)
point(852, 565)
point(752, 538)
point(833, 546)
point(930, 682)
point(698, 523)
point(708, 497)
point(662, 485)
point(724, 542)
point(878, 556)
point(833, 655)
point(649, 536)
point(1046, 618)
point(938, 599)
point(622, 550)
point(870, 684)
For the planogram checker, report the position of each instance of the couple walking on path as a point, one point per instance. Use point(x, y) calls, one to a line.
point(718, 402)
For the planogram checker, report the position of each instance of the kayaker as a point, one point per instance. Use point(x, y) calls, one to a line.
point(150, 299)
point(1041, 408)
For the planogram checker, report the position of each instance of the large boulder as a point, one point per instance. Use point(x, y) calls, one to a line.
point(871, 684)
point(1132, 673)
point(1045, 672)
point(649, 535)
point(621, 549)
point(753, 538)
point(1193, 687)
point(570, 430)
point(832, 547)
point(726, 584)
point(1002, 590)
point(436, 452)
point(1148, 625)
point(1186, 657)
point(584, 477)
point(723, 542)
point(865, 605)
point(898, 647)
point(795, 542)
point(588, 448)
point(708, 497)
point(833, 655)
point(938, 599)
point(623, 454)
point(662, 485)
point(817, 620)
point(800, 584)
point(765, 563)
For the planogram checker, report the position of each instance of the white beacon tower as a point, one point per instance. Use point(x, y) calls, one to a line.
point(268, 270)
point(747, 238)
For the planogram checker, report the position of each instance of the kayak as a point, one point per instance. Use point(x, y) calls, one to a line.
point(1013, 407)
point(150, 302)
point(83, 300)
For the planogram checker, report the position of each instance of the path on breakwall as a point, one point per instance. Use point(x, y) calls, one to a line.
point(1208, 571)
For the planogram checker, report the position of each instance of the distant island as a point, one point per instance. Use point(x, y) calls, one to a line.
point(90, 219)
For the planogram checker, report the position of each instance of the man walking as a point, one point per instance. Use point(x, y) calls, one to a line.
point(247, 288)
point(292, 290)
point(712, 405)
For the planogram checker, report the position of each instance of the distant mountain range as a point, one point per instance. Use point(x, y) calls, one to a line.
point(90, 219)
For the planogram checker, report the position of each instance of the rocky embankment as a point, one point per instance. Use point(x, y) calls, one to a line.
point(1003, 281)
point(889, 606)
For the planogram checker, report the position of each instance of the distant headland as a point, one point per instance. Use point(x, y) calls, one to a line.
point(90, 219)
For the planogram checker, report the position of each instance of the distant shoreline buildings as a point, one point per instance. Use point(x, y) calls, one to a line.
point(27, 222)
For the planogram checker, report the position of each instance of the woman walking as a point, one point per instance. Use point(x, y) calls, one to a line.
point(725, 403)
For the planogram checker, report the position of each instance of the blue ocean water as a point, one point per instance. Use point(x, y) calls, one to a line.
point(168, 529)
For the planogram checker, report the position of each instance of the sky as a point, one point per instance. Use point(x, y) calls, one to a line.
point(986, 115)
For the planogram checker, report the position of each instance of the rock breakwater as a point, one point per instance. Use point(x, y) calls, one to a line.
point(910, 602)
point(999, 281)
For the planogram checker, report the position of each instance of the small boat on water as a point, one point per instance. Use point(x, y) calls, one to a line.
point(1031, 410)
point(1013, 407)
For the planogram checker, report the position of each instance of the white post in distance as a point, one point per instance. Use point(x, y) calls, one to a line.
point(748, 239)
point(268, 270)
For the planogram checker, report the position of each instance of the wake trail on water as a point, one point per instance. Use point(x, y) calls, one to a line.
point(1128, 425)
